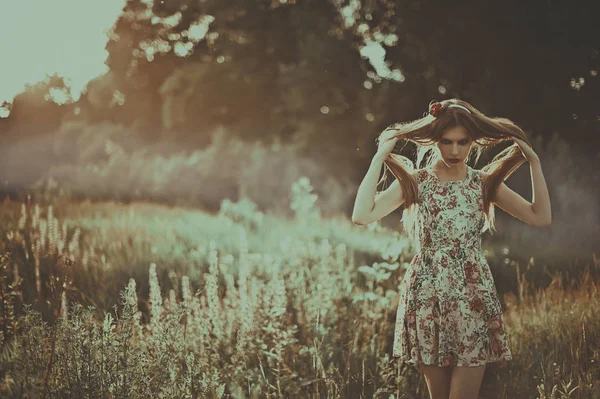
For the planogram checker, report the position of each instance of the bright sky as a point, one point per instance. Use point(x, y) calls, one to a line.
point(63, 37)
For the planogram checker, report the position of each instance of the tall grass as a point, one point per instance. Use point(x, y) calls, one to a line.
point(301, 318)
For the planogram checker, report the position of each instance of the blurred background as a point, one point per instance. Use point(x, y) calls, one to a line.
point(162, 100)
point(158, 131)
point(193, 102)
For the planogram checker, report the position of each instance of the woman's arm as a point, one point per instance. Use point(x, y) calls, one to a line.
point(541, 198)
point(364, 202)
point(369, 207)
point(537, 213)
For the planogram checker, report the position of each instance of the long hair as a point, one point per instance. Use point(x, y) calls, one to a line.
point(485, 131)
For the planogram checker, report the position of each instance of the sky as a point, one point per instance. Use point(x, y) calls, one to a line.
point(66, 38)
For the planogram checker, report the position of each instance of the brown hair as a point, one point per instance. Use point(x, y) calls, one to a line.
point(485, 132)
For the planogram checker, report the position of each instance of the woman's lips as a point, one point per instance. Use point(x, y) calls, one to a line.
point(454, 160)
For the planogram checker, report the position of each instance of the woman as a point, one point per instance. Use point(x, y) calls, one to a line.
point(449, 319)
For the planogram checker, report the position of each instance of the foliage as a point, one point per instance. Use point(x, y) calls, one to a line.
point(297, 318)
point(104, 162)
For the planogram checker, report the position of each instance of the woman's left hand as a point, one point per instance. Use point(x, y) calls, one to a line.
point(526, 149)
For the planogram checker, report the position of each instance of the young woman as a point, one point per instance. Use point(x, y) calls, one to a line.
point(449, 320)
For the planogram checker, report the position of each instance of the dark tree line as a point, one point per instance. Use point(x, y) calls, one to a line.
point(293, 71)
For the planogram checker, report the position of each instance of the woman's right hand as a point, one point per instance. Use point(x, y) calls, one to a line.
point(386, 144)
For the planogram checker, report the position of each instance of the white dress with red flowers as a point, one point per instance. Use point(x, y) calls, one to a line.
point(449, 313)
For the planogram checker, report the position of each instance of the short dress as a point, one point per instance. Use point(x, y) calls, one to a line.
point(449, 313)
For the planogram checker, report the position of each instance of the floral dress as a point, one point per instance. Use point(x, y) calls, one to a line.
point(449, 313)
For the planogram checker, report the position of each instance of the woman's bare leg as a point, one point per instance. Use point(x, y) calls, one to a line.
point(438, 380)
point(466, 382)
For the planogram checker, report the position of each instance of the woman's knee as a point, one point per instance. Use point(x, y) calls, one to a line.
point(466, 382)
point(438, 380)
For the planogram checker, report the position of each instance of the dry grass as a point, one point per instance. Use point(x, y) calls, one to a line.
point(222, 308)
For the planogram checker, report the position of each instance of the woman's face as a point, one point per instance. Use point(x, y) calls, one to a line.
point(454, 144)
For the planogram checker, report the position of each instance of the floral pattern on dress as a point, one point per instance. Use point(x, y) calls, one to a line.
point(449, 313)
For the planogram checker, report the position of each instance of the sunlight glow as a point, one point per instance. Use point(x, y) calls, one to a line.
point(43, 38)
point(182, 43)
point(375, 53)
point(199, 29)
point(350, 12)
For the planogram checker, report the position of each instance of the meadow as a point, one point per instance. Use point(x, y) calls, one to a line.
point(151, 246)
point(105, 299)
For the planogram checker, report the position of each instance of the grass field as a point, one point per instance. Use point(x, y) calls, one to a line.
point(142, 300)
